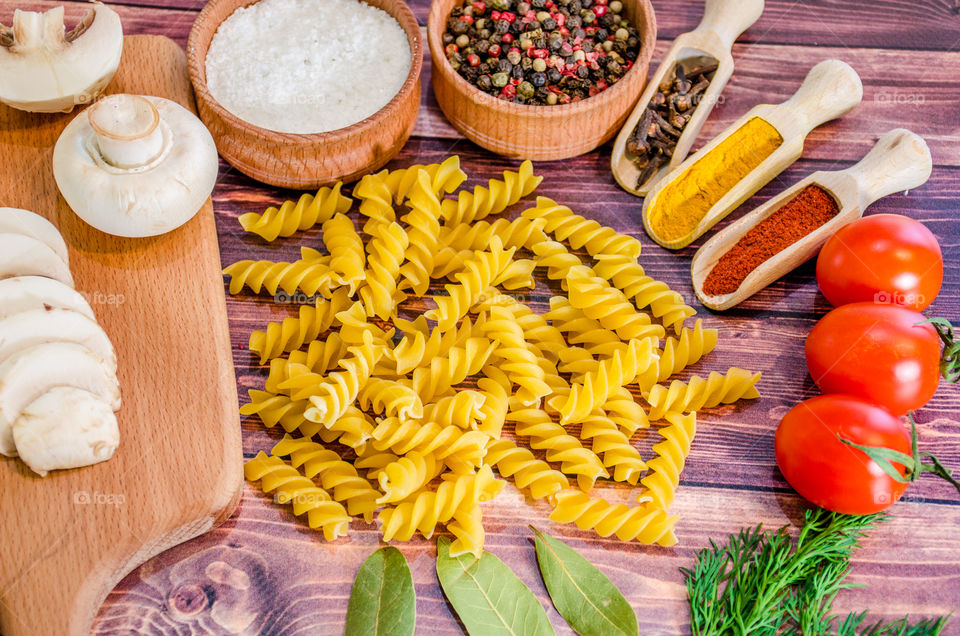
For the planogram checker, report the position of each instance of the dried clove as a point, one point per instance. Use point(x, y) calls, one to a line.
point(653, 140)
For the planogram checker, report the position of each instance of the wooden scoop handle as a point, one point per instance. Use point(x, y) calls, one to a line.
point(729, 18)
point(830, 89)
point(899, 161)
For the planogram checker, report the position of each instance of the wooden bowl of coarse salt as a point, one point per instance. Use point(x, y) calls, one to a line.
point(301, 93)
point(538, 132)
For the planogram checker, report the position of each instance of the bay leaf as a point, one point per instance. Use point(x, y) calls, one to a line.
point(383, 602)
point(584, 596)
point(488, 596)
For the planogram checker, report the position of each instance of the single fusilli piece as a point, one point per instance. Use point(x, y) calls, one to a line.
point(352, 429)
point(607, 305)
point(516, 358)
point(613, 447)
point(581, 330)
point(458, 449)
point(646, 524)
point(297, 216)
point(331, 398)
point(660, 485)
point(387, 249)
point(496, 393)
point(702, 393)
point(536, 330)
point(688, 349)
point(527, 472)
point(445, 178)
point(557, 260)
point(338, 477)
point(445, 373)
point(430, 508)
point(614, 372)
point(417, 348)
point(373, 461)
point(463, 410)
point(289, 486)
point(347, 258)
point(625, 411)
point(390, 398)
point(479, 273)
point(321, 356)
point(423, 231)
point(310, 276)
point(518, 233)
point(581, 233)
point(293, 333)
point(494, 199)
point(408, 474)
point(468, 533)
point(561, 447)
point(376, 201)
point(628, 276)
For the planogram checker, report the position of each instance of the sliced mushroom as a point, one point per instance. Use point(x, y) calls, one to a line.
point(46, 70)
point(28, 293)
point(65, 428)
point(28, 374)
point(17, 221)
point(26, 256)
point(31, 328)
point(135, 166)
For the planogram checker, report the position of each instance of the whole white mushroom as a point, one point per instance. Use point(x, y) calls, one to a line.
point(135, 166)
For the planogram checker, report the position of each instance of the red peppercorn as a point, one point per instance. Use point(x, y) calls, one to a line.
point(494, 15)
point(550, 5)
point(602, 84)
point(508, 92)
point(592, 56)
point(494, 50)
point(467, 18)
point(530, 15)
point(541, 54)
point(479, 7)
point(599, 10)
point(506, 38)
point(473, 59)
point(509, 17)
point(594, 91)
point(514, 49)
point(601, 3)
point(561, 19)
point(450, 49)
point(515, 82)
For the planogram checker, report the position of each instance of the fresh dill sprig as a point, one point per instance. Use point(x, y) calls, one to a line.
point(763, 584)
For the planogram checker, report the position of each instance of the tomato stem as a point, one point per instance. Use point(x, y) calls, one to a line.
point(950, 361)
point(913, 464)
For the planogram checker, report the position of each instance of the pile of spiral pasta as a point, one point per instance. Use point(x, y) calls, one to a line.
point(418, 407)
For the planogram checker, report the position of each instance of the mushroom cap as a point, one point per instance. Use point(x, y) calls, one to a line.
point(27, 293)
point(40, 326)
point(18, 221)
point(47, 71)
point(138, 202)
point(28, 374)
point(22, 255)
point(65, 428)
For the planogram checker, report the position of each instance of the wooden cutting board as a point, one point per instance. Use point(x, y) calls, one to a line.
point(70, 537)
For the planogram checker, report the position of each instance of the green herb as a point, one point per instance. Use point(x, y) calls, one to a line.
point(763, 584)
point(913, 463)
point(488, 596)
point(383, 601)
point(583, 595)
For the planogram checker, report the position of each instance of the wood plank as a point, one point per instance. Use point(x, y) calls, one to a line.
point(299, 584)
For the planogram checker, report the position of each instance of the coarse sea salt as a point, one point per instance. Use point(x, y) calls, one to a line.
point(307, 66)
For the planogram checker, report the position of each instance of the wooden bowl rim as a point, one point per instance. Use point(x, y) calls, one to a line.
point(604, 98)
point(198, 76)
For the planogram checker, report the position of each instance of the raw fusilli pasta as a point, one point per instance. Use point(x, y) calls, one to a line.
point(463, 410)
point(518, 360)
point(347, 258)
point(680, 353)
point(331, 398)
point(293, 333)
point(660, 485)
point(391, 398)
point(321, 356)
point(628, 276)
point(445, 373)
point(387, 249)
point(613, 447)
point(423, 231)
point(581, 233)
point(643, 523)
point(289, 486)
point(527, 472)
point(606, 304)
point(494, 199)
point(293, 217)
point(467, 530)
point(310, 276)
point(401, 478)
point(702, 393)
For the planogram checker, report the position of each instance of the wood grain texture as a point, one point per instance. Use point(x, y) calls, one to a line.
point(72, 535)
point(544, 133)
point(906, 54)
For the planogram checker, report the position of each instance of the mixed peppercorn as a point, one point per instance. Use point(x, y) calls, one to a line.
point(541, 52)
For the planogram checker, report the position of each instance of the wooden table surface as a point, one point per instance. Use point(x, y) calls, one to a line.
point(284, 579)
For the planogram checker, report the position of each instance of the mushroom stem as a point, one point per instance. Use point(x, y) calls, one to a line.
point(127, 128)
point(29, 28)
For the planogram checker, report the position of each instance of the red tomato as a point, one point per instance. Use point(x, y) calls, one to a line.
point(829, 473)
point(885, 258)
point(876, 352)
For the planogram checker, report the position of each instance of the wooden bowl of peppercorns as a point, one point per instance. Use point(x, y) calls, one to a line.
point(540, 79)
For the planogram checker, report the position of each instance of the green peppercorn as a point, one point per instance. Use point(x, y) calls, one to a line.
point(463, 40)
point(615, 7)
point(500, 79)
point(589, 17)
point(525, 43)
point(608, 46)
point(542, 15)
point(622, 34)
point(514, 57)
point(525, 90)
point(539, 65)
point(552, 99)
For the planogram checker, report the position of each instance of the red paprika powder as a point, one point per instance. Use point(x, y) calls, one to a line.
point(797, 218)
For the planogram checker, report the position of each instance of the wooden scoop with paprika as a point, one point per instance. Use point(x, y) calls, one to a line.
point(790, 228)
point(685, 88)
point(746, 156)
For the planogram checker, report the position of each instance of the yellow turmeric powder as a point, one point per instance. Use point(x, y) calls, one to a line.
point(686, 200)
